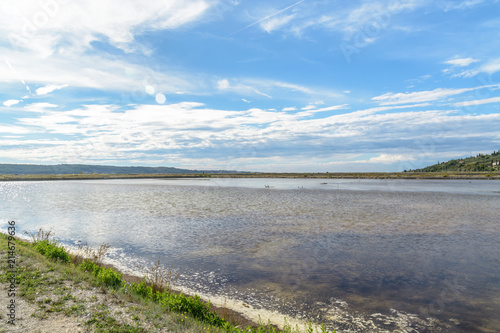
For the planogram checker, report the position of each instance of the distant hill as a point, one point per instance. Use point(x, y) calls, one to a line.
point(63, 169)
point(481, 162)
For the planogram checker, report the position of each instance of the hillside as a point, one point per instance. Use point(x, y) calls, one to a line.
point(64, 169)
point(478, 163)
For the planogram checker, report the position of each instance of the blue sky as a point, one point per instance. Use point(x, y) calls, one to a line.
point(296, 86)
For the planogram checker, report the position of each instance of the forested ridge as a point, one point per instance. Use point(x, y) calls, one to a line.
point(480, 162)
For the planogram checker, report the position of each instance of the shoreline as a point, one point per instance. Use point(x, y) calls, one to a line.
point(66, 318)
point(77, 307)
point(337, 175)
point(218, 308)
point(233, 310)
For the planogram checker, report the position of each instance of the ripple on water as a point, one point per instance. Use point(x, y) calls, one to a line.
point(361, 259)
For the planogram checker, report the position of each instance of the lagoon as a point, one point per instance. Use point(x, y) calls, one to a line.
point(359, 255)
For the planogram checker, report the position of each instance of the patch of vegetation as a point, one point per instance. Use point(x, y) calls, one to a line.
point(478, 163)
point(52, 250)
point(103, 322)
point(155, 299)
point(105, 276)
point(86, 169)
point(48, 247)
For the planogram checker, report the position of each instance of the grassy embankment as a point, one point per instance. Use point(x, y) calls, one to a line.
point(337, 175)
point(55, 283)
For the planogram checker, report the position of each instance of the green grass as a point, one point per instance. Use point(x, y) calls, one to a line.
point(52, 250)
point(45, 266)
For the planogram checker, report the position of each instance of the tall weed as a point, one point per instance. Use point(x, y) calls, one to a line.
point(40, 235)
point(84, 251)
point(161, 278)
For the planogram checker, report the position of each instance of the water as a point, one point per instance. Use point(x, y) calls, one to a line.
point(359, 255)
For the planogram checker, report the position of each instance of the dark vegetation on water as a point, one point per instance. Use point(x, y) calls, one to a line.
point(154, 289)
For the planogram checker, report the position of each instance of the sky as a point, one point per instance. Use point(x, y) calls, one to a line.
point(271, 86)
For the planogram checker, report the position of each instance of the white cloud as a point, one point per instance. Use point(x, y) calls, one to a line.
point(276, 23)
point(241, 87)
point(479, 102)
point(291, 86)
point(418, 97)
point(466, 74)
point(456, 69)
point(49, 88)
point(45, 26)
point(309, 107)
point(11, 102)
point(51, 44)
point(331, 108)
point(14, 130)
point(391, 158)
point(183, 130)
point(459, 5)
point(290, 108)
point(462, 62)
point(374, 15)
point(223, 84)
point(269, 17)
point(491, 67)
point(423, 96)
point(39, 107)
point(93, 71)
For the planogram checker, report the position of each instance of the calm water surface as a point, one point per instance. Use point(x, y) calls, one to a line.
point(359, 255)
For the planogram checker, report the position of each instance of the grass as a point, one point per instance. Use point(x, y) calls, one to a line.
point(53, 279)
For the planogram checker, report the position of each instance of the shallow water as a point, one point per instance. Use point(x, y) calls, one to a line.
point(359, 255)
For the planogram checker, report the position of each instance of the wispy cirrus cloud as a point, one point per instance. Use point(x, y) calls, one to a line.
point(93, 71)
point(275, 23)
point(491, 67)
point(462, 62)
point(479, 102)
point(424, 96)
point(418, 97)
point(239, 88)
point(271, 88)
point(40, 107)
point(271, 18)
point(457, 68)
point(349, 20)
point(461, 5)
